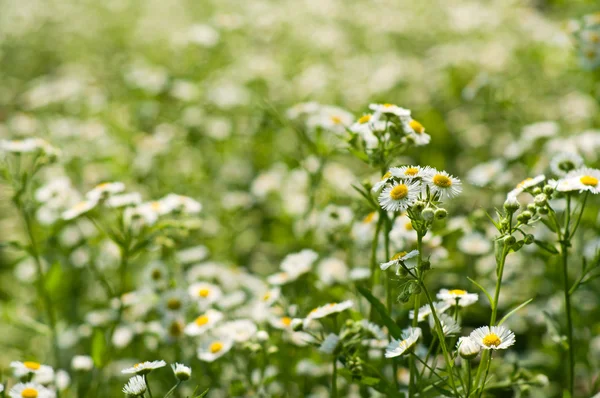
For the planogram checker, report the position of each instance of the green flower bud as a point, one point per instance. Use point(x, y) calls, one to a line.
point(528, 239)
point(540, 200)
point(537, 190)
point(543, 210)
point(548, 190)
point(428, 214)
point(440, 214)
point(510, 240)
point(511, 204)
point(419, 205)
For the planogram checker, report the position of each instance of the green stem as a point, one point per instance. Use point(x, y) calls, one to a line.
point(41, 285)
point(415, 321)
point(564, 245)
point(334, 391)
point(374, 249)
point(147, 386)
point(172, 390)
point(487, 370)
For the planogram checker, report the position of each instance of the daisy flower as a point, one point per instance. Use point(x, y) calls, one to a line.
point(416, 132)
point(381, 183)
point(439, 306)
point(83, 363)
point(271, 296)
point(462, 297)
point(103, 190)
point(284, 322)
point(442, 183)
point(182, 203)
point(326, 310)
point(493, 338)
point(526, 184)
point(79, 209)
point(143, 368)
point(406, 345)
point(30, 390)
point(28, 145)
point(135, 387)
point(449, 325)
point(467, 347)
point(410, 172)
point(281, 278)
point(390, 109)
point(123, 200)
point(584, 179)
point(399, 258)
point(564, 162)
point(214, 349)
point(299, 263)
point(399, 196)
point(203, 323)
point(205, 293)
point(21, 369)
point(181, 371)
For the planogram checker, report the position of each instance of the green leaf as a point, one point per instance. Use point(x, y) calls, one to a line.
point(98, 348)
point(513, 311)
point(393, 328)
point(203, 394)
point(53, 278)
point(566, 394)
point(546, 246)
point(369, 381)
point(361, 155)
point(550, 225)
point(483, 290)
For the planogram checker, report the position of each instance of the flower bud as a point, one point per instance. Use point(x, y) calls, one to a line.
point(510, 240)
point(548, 190)
point(419, 205)
point(543, 210)
point(524, 217)
point(440, 214)
point(425, 265)
point(540, 200)
point(532, 208)
point(262, 335)
point(528, 239)
point(297, 324)
point(428, 214)
point(511, 204)
point(468, 348)
point(537, 190)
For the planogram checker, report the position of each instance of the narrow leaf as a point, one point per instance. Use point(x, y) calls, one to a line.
point(513, 311)
point(546, 246)
point(98, 348)
point(482, 289)
point(393, 328)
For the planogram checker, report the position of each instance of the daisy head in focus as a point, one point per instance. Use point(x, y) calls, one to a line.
point(214, 349)
point(406, 345)
point(582, 180)
point(458, 297)
point(415, 132)
point(526, 184)
point(398, 259)
point(135, 387)
point(442, 184)
point(144, 368)
point(493, 338)
point(182, 372)
point(399, 196)
point(30, 390)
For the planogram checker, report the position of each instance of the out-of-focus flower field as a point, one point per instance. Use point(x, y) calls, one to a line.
point(289, 198)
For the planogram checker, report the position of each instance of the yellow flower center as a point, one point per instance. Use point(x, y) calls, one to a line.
point(458, 292)
point(155, 205)
point(398, 255)
point(408, 226)
point(442, 181)
point(525, 181)
point(388, 105)
point(174, 304)
point(416, 126)
point(29, 393)
point(203, 292)
point(336, 120)
point(386, 175)
point(286, 320)
point(216, 347)
point(400, 191)
point(80, 205)
point(103, 185)
point(411, 171)
point(176, 329)
point(492, 340)
point(267, 296)
point(369, 217)
point(589, 181)
point(364, 119)
point(31, 365)
point(201, 320)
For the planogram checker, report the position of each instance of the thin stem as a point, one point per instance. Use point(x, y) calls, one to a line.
point(487, 370)
point(41, 285)
point(415, 321)
point(172, 390)
point(147, 386)
point(564, 245)
point(334, 390)
point(374, 249)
